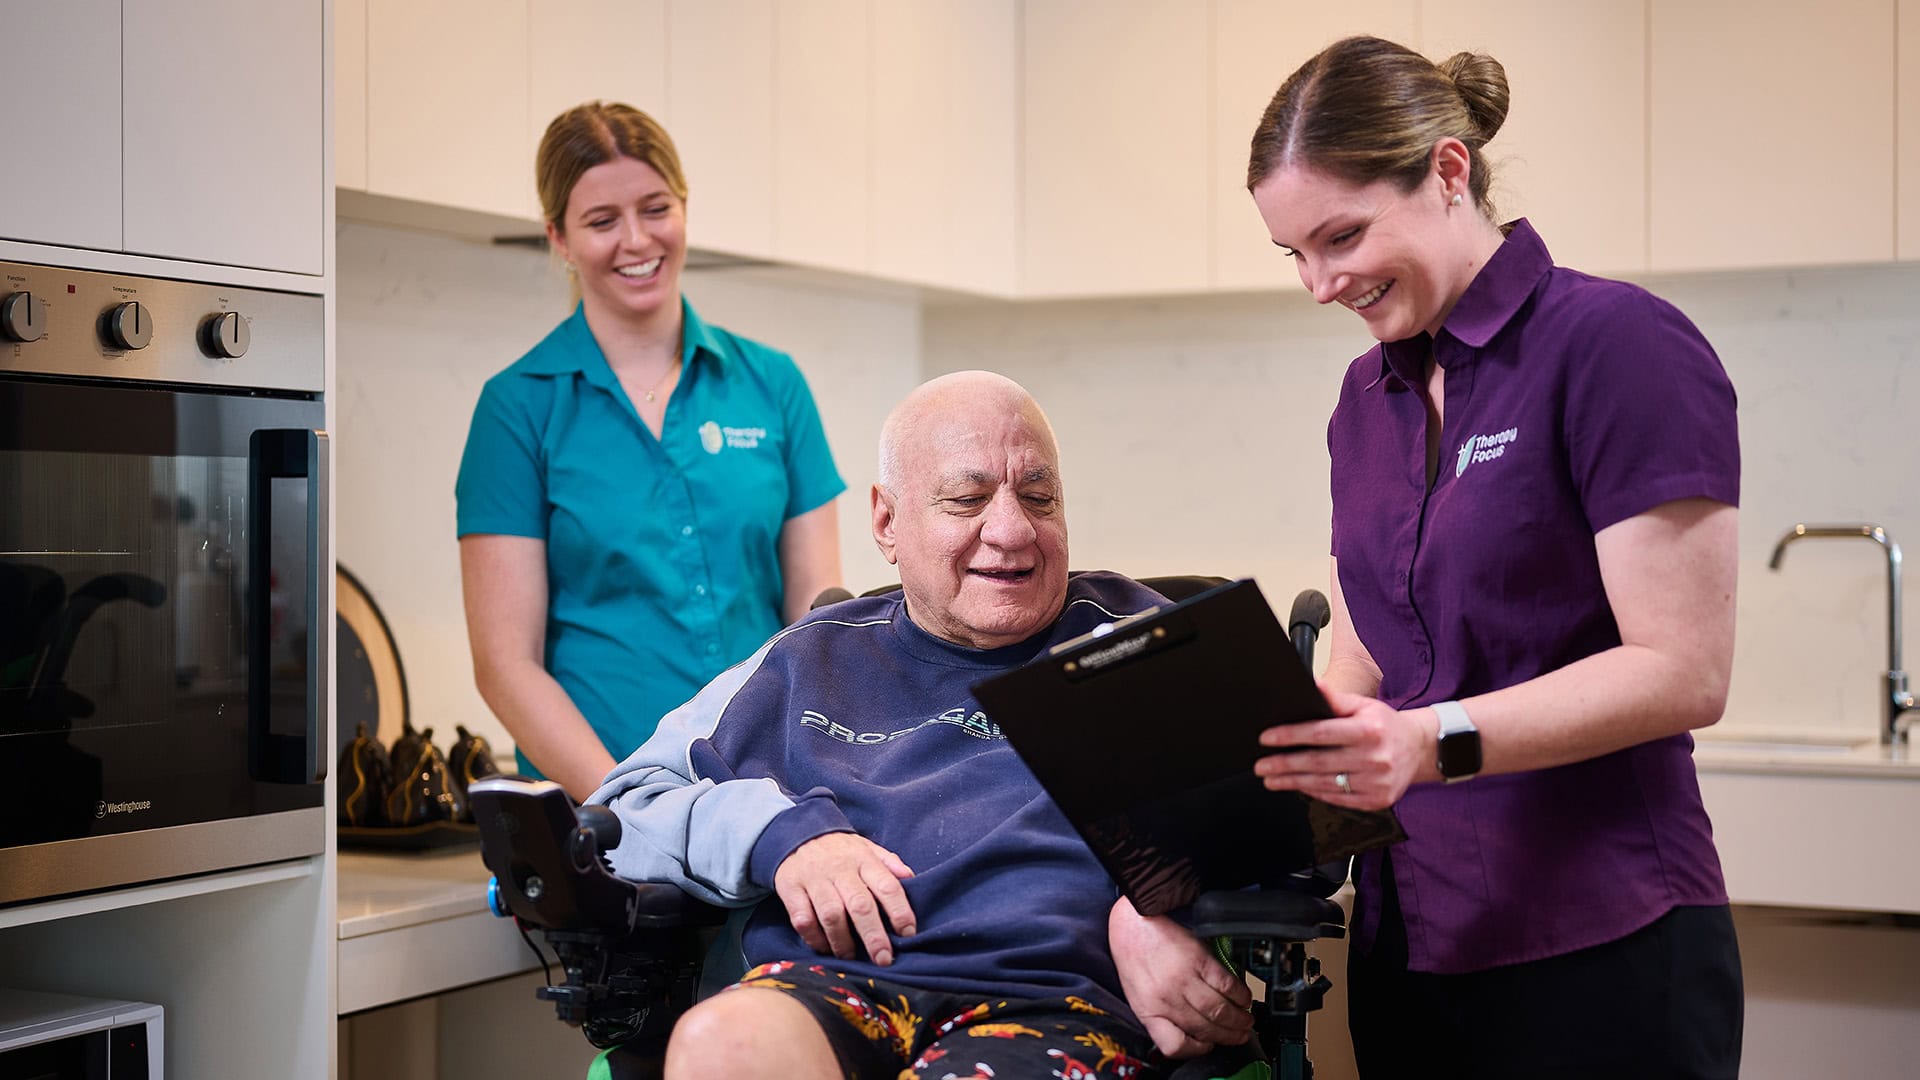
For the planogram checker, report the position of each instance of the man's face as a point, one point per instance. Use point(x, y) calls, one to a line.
point(977, 527)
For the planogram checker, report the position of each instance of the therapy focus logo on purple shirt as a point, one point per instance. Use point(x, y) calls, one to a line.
point(1483, 448)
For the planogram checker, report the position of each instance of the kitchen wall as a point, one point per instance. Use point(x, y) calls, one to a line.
point(1194, 433)
point(424, 321)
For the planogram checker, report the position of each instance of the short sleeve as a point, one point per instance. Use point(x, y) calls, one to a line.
point(812, 479)
point(1650, 414)
point(502, 486)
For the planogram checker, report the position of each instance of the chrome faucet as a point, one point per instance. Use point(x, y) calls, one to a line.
point(1895, 698)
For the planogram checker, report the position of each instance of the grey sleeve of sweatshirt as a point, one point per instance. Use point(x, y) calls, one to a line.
point(685, 819)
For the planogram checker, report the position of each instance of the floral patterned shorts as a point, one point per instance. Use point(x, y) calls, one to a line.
point(883, 1031)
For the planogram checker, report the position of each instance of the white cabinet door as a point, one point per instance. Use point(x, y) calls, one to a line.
point(1256, 45)
point(1772, 132)
point(447, 104)
point(595, 50)
point(1572, 155)
point(60, 89)
point(1115, 148)
point(822, 132)
point(720, 99)
point(350, 94)
point(946, 111)
point(1908, 169)
point(224, 132)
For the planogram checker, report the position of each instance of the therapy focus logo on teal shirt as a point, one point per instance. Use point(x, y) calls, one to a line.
point(714, 438)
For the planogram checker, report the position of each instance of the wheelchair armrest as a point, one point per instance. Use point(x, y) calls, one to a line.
point(547, 858)
point(1279, 914)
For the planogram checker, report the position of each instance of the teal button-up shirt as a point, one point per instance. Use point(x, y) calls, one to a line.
point(662, 554)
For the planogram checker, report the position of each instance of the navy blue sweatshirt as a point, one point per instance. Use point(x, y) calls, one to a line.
point(854, 719)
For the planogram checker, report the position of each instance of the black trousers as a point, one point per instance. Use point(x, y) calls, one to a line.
point(1664, 1001)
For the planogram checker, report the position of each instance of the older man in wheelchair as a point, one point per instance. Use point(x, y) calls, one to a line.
point(928, 910)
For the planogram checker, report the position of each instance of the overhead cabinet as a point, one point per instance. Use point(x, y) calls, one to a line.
point(1066, 148)
point(1572, 154)
point(446, 95)
point(224, 132)
point(181, 129)
point(1772, 126)
point(1256, 44)
point(1115, 155)
point(1907, 139)
point(946, 194)
point(61, 86)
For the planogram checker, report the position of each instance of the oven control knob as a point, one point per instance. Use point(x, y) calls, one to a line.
point(23, 317)
point(129, 326)
point(225, 336)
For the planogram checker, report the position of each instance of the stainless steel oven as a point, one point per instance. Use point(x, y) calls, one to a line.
point(163, 579)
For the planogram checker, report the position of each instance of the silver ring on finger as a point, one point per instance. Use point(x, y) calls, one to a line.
point(1343, 782)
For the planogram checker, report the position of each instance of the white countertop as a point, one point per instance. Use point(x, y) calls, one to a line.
point(385, 891)
point(416, 924)
point(1801, 752)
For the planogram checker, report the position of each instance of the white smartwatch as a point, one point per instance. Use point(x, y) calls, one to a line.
point(1459, 742)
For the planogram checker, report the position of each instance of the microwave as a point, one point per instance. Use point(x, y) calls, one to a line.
point(165, 579)
point(64, 1037)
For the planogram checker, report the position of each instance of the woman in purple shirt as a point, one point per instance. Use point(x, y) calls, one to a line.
point(1535, 476)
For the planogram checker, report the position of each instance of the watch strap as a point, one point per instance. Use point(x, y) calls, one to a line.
point(1453, 717)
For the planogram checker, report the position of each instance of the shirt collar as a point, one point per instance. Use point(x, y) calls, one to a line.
point(570, 348)
point(1493, 298)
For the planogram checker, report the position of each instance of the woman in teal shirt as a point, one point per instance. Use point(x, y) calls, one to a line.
point(645, 498)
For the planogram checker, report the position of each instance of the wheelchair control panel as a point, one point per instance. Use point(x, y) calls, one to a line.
point(629, 952)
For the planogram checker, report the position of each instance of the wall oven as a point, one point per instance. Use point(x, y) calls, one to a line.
point(164, 570)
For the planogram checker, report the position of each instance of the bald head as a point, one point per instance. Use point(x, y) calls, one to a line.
point(941, 409)
point(969, 506)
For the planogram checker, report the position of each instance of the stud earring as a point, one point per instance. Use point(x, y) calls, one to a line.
point(1456, 198)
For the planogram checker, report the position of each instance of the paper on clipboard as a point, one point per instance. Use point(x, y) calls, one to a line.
point(1146, 734)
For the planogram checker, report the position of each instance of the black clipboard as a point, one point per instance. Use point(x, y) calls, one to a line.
point(1145, 733)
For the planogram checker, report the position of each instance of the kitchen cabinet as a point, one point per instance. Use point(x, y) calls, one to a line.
point(720, 110)
point(1771, 133)
point(175, 129)
point(945, 199)
point(60, 84)
point(1256, 45)
point(1572, 155)
point(1114, 147)
point(822, 133)
point(447, 104)
point(350, 94)
point(223, 132)
point(241, 962)
point(1907, 209)
point(593, 50)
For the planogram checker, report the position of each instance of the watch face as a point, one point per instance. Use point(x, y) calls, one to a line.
point(1459, 754)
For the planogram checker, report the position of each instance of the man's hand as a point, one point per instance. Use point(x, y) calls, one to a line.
point(1187, 999)
point(836, 887)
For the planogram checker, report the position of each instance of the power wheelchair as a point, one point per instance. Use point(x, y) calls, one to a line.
point(630, 952)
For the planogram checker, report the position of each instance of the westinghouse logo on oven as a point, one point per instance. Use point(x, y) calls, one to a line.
point(131, 807)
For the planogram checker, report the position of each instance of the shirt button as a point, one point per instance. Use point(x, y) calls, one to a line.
point(699, 590)
point(712, 648)
point(686, 530)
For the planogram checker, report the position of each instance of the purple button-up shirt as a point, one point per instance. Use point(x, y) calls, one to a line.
point(1572, 403)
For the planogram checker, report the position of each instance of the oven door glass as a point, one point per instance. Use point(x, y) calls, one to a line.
point(158, 590)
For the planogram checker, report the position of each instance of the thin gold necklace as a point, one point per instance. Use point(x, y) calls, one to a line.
point(671, 368)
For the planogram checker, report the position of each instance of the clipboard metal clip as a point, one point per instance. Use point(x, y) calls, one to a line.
point(1114, 644)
